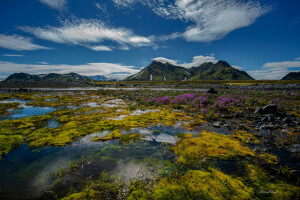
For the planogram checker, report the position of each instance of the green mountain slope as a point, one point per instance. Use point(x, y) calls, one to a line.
point(158, 71)
point(23, 77)
point(292, 76)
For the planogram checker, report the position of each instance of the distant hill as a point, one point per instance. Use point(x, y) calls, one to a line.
point(158, 71)
point(98, 78)
point(24, 77)
point(292, 76)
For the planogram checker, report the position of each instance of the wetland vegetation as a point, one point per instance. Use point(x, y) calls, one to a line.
point(150, 144)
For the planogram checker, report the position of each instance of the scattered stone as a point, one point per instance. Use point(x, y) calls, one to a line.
point(295, 148)
point(257, 110)
point(287, 120)
point(212, 91)
point(270, 127)
point(289, 114)
point(217, 124)
point(269, 109)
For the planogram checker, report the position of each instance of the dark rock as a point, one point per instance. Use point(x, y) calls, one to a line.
point(257, 110)
point(264, 119)
point(287, 120)
point(269, 109)
point(289, 114)
point(270, 127)
point(295, 148)
point(212, 91)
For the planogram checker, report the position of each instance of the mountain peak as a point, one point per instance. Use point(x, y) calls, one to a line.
point(159, 71)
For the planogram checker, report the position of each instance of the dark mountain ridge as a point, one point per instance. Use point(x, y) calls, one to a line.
point(158, 71)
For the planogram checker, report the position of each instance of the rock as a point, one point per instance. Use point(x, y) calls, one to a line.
point(269, 109)
point(287, 120)
point(264, 119)
point(270, 127)
point(285, 130)
point(262, 127)
point(295, 148)
point(216, 124)
point(289, 114)
point(257, 110)
point(212, 91)
point(226, 125)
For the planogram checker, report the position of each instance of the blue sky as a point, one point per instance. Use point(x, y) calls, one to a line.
point(117, 38)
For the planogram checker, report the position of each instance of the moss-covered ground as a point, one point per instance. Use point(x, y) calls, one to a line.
point(190, 174)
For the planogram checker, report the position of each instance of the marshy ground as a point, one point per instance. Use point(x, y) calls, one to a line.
point(236, 143)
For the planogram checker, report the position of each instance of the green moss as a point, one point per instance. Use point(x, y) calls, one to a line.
point(115, 134)
point(195, 184)
point(5, 107)
point(184, 135)
point(129, 137)
point(265, 189)
point(244, 136)
point(212, 146)
point(268, 158)
point(23, 126)
point(7, 143)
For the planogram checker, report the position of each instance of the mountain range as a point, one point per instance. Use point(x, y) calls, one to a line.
point(158, 71)
point(292, 76)
point(24, 77)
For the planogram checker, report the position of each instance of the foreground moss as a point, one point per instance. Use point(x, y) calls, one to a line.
point(7, 143)
point(210, 145)
point(195, 184)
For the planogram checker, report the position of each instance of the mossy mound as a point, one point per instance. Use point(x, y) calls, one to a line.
point(113, 135)
point(195, 184)
point(7, 143)
point(210, 145)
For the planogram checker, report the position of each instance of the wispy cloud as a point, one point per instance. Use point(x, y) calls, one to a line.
point(100, 48)
point(19, 43)
point(211, 19)
point(197, 60)
point(43, 63)
point(114, 70)
point(12, 55)
point(88, 33)
point(275, 70)
point(55, 4)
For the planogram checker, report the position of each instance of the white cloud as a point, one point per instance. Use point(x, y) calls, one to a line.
point(12, 55)
point(100, 48)
point(237, 67)
point(297, 58)
point(19, 43)
point(197, 60)
point(88, 33)
point(275, 70)
point(114, 70)
point(55, 4)
point(165, 60)
point(211, 19)
point(43, 63)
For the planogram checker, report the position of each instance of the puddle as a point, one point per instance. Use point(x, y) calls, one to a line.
point(27, 171)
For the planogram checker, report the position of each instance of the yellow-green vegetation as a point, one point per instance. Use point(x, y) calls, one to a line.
point(115, 134)
point(265, 189)
point(103, 188)
point(8, 143)
point(210, 145)
point(23, 126)
point(268, 158)
point(5, 107)
point(83, 121)
point(245, 137)
point(129, 137)
point(184, 135)
point(195, 184)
